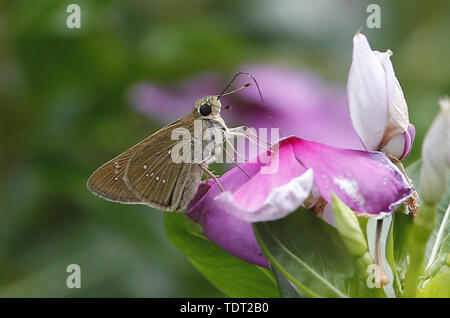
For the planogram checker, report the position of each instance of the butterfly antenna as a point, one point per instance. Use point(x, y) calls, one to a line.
point(266, 109)
point(236, 90)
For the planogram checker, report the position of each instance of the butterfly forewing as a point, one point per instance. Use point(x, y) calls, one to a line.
point(145, 173)
point(152, 176)
point(107, 181)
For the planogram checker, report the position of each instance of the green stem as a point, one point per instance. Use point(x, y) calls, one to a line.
point(420, 233)
point(382, 278)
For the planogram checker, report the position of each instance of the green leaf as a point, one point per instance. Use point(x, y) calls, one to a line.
point(231, 275)
point(397, 248)
point(363, 224)
point(440, 261)
point(285, 287)
point(442, 228)
point(439, 286)
point(311, 254)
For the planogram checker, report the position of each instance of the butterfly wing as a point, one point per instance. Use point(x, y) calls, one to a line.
point(155, 179)
point(146, 173)
point(107, 181)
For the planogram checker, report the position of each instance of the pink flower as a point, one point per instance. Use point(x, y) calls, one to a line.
point(378, 108)
point(301, 105)
point(366, 181)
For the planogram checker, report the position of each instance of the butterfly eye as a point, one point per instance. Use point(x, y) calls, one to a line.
point(205, 109)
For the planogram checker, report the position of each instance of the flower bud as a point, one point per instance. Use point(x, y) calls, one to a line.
point(434, 173)
point(348, 227)
point(378, 108)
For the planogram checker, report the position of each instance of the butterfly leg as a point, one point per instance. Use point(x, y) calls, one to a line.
point(234, 162)
point(234, 150)
point(231, 132)
point(209, 173)
point(207, 179)
point(245, 129)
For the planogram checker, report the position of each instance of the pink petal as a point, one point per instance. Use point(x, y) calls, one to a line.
point(410, 141)
point(232, 234)
point(368, 182)
point(270, 196)
point(229, 232)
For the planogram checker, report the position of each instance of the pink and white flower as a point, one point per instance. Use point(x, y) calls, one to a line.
point(367, 182)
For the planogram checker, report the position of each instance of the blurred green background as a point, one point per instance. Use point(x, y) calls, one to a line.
point(64, 112)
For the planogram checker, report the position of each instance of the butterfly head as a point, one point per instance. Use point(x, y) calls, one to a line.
point(208, 106)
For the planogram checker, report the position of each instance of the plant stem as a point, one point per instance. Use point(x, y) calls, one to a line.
point(381, 277)
point(420, 233)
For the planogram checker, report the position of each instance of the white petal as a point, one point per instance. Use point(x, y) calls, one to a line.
point(280, 202)
point(398, 112)
point(328, 215)
point(367, 94)
point(398, 119)
point(395, 146)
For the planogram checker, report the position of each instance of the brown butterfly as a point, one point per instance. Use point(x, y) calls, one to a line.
point(147, 174)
